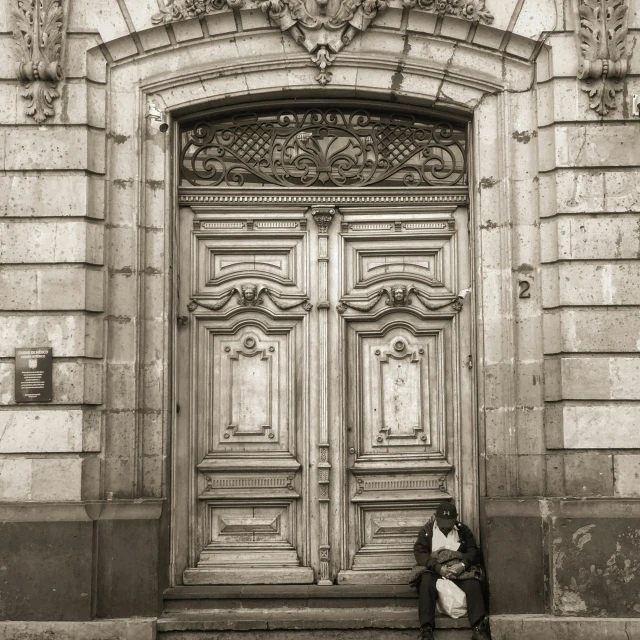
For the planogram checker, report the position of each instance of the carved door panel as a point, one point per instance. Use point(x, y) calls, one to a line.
point(408, 419)
point(246, 394)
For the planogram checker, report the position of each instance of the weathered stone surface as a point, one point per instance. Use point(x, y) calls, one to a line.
point(134, 629)
point(515, 544)
point(39, 431)
point(73, 383)
point(48, 479)
point(69, 335)
point(46, 576)
point(626, 471)
point(127, 568)
point(595, 567)
point(534, 627)
point(592, 378)
point(593, 426)
point(42, 242)
point(589, 474)
point(590, 284)
point(592, 330)
point(43, 195)
point(51, 288)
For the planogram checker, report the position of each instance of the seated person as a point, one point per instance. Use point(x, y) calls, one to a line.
point(448, 550)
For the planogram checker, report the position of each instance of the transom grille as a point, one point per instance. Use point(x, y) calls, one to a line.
point(323, 147)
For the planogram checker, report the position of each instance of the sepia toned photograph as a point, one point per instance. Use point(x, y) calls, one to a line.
point(320, 320)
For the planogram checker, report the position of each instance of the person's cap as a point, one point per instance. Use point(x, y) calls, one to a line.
point(446, 514)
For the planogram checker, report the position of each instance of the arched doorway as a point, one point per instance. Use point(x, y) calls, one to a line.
point(325, 342)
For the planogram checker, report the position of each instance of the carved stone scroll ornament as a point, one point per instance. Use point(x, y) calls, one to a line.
point(250, 295)
point(399, 295)
point(39, 33)
point(473, 10)
point(174, 10)
point(604, 65)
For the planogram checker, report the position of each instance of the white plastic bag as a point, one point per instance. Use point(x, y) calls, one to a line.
point(452, 600)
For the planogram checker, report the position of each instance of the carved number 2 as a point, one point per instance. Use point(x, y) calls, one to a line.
point(524, 289)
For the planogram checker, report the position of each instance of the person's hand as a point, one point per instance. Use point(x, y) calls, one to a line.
point(446, 572)
point(458, 568)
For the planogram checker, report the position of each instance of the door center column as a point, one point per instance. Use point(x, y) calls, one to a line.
point(323, 217)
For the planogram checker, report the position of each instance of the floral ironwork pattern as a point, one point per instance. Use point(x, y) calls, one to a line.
point(39, 32)
point(324, 147)
point(174, 10)
point(603, 34)
point(473, 10)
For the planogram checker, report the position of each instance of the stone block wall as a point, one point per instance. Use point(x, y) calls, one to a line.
point(85, 245)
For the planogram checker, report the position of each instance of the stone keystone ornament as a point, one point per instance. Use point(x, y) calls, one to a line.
point(322, 27)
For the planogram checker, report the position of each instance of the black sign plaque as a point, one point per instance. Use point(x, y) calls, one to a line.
point(34, 374)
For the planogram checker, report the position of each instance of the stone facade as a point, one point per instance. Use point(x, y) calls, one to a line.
point(87, 192)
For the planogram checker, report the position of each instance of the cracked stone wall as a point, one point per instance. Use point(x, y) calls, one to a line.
point(84, 270)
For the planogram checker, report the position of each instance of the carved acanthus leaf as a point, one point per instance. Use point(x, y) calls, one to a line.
point(604, 65)
point(250, 295)
point(39, 33)
point(174, 10)
point(399, 295)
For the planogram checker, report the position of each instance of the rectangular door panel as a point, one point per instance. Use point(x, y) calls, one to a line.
point(402, 415)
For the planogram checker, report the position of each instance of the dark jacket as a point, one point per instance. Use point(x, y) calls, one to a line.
point(468, 547)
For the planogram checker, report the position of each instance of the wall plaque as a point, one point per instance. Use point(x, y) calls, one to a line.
point(34, 374)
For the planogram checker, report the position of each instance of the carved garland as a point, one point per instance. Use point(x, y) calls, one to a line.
point(39, 33)
point(603, 33)
point(325, 27)
point(250, 295)
point(399, 295)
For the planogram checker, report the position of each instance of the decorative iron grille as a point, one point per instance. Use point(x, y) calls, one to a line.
point(324, 148)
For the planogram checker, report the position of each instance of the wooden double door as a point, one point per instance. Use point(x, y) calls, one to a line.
point(324, 386)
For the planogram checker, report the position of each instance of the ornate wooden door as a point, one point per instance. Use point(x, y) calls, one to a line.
point(324, 399)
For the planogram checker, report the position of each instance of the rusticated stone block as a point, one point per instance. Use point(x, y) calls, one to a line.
point(47, 431)
point(42, 195)
point(626, 469)
point(42, 242)
point(69, 335)
point(51, 288)
point(589, 474)
point(40, 479)
point(604, 330)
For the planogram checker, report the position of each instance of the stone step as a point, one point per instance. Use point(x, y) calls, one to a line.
point(313, 634)
point(289, 596)
point(304, 623)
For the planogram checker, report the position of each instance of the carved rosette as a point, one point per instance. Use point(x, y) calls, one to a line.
point(39, 33)
point(603, 34)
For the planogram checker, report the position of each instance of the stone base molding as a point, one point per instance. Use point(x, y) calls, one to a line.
point(122, 629)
